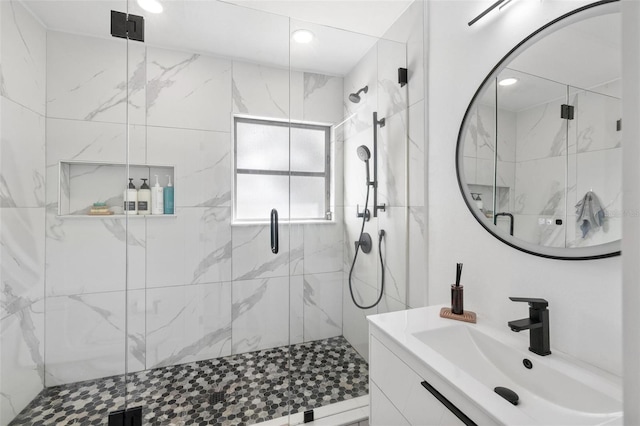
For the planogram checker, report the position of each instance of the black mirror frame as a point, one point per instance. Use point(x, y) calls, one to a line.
point(601, 251)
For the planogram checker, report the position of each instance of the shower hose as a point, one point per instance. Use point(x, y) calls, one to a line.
point(353, 264)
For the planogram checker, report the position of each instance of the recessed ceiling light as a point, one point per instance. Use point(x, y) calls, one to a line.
point(152, 6)
point(508, 81)
point(302, 36)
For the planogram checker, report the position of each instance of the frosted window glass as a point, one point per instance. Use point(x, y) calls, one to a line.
point(256, 195)
point(262, 146)
point(307, 197)
point(308, 149)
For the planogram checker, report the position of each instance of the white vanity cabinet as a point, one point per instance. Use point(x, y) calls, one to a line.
point(398, 396)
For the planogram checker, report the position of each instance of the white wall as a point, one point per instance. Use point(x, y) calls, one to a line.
point(584, 297)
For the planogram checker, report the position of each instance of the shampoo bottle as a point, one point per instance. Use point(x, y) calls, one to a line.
point(157, 204)
point(131, 199)
point(168, 197)
point(144, 198)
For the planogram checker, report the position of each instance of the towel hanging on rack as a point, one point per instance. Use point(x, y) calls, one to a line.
point(589, 213)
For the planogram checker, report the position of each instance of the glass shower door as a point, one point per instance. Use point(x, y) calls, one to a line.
point(209, 315)
point(595, 161)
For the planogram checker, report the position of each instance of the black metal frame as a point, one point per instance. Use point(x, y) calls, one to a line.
point(460, 147)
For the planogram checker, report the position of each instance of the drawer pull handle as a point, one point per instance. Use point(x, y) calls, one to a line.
point(455, 410)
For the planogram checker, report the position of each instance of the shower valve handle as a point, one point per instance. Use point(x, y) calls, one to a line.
point(366, 213)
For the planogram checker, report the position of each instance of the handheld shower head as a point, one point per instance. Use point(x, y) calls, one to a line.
point(364, 154)
point(355, 97)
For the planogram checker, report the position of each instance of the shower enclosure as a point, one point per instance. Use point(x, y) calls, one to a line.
point(193, 315)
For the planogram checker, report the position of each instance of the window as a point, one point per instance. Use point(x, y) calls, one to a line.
point(281, 165)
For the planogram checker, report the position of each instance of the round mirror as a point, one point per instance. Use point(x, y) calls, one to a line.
point(539, 152)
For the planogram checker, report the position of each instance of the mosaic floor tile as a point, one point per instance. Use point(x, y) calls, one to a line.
point(240, 389)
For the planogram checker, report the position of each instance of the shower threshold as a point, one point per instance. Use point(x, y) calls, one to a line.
point(241, 389)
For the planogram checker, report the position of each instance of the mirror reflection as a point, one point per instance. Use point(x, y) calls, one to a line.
point(542, 148)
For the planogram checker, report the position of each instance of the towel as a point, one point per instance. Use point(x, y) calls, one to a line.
point(590, 214)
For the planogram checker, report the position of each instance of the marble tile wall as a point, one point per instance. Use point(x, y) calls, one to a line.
point(401, 178)
point(567, 162)
point(198, 286)
point(22, 208)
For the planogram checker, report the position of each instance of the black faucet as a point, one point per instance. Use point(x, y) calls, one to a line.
point(537, 324)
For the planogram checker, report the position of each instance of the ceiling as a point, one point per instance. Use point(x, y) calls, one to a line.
point(255, 31)
point(585, 54)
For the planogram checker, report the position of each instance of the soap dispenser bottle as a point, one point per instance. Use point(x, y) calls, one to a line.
point(168, 197)
point(144, 198)
point(131, 199)
point(157, 204)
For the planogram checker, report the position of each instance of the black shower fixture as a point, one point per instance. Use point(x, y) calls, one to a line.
point(355, 97)
point(403, 78)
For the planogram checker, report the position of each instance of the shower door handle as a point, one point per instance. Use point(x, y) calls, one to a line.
point(274, 231)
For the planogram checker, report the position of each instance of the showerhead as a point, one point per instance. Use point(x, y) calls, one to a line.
point(363, 153)
point(355, 97)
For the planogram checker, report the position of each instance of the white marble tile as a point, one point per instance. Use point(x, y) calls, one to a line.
point(260, 90)
point(193, 247)
point(485, 132)
point(485, 171)
point(417, 282)
point(541, 133)
point(23, 51)
point(202, 162)
point(470, 139)
point(367, 265)
point(417, 160)
point(355, 327)
point(88, 255)
point(322, 306)
point(470, 164)
point(22, 249)
point(188, 90)
point(392, 98)
point(252, 257)
point(394, 252)
point(188, 323)
point(506, 140)
point(136, 330)
point(296, 309)
point(355, 176)
point(540, 186)
point(85, 337)
point(74, 140)
point(259, 320)
point(392, 154)
point(528, 228)
point(595, 122)
point(296, 96)
point(296, 240)
point(323, 246)
point(22, 354)
point(87, 78)
point(359, 115)
point(323, 98)
point(22, 170)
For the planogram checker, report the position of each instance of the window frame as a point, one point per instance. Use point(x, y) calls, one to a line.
point(267, 172)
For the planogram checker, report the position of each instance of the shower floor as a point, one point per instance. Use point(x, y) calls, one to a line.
point(255, 387)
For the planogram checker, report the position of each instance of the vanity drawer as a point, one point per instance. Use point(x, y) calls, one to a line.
point(403, 388)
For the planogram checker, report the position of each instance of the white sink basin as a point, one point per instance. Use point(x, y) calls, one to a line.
point(477, 358)
point(494, 363)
